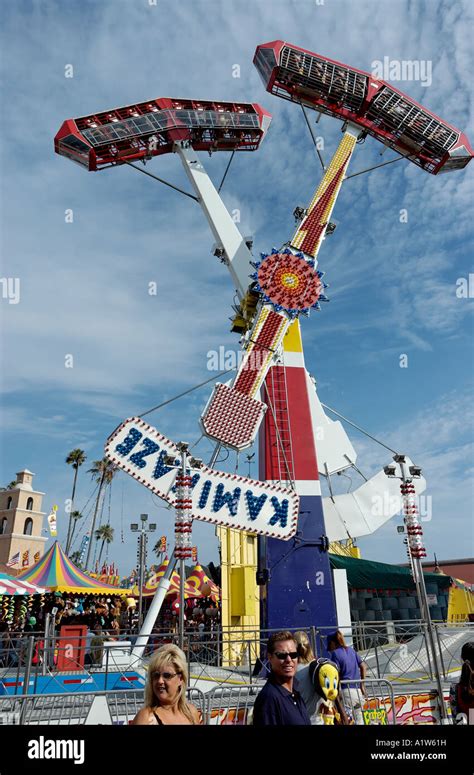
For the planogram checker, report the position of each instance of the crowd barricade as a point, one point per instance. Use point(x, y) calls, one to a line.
point(231, 705)
point(368, 702)
point(48, 709)
point(117, 708)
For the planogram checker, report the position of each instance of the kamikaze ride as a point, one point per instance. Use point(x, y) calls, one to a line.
point(272, 384)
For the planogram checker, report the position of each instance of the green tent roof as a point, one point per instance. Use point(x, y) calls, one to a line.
point(367, 574)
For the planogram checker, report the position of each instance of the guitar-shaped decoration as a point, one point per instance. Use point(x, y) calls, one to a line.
point(289, 283)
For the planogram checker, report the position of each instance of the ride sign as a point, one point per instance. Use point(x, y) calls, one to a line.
point(222, 498)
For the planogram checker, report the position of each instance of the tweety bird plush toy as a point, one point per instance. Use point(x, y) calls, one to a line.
point(325, 677)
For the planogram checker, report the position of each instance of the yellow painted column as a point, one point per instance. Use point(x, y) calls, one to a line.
point(240, 605)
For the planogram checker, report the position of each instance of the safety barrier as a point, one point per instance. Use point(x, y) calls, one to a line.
point(231, 705)
point(368, 702)
point(84, 708)
point(399, 655)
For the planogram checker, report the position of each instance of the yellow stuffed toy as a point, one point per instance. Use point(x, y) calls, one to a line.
point(325, 677)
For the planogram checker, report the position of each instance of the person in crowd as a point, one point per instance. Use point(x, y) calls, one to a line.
point(97, 647)
point(279, 703)
point(306, 685)
point(303, 677)
point(114, 630)
point(305, 652)
point(87, 643)
point(165, 691)
point(461, 694)
point(351, 668)
point(8, 655)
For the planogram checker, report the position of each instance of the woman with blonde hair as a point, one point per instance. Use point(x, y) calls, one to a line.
point(165, 691)
point(305, 652)
point(303, 677)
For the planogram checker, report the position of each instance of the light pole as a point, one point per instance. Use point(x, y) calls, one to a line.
point(416, 551)
point(143, 531)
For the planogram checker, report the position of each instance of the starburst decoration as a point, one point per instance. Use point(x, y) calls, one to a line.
point(289, 282)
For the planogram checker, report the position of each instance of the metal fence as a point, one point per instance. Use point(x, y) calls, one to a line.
point(369, 702)
point(85, 708)
point(222, 706)
point(231, 705)
point(396, 651)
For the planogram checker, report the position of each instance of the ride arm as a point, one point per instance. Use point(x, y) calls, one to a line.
point(237, 256)
point(363, 511)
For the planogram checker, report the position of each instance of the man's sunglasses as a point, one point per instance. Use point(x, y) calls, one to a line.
point(284, 654)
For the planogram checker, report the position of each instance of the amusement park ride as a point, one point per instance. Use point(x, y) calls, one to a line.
point(272, 394)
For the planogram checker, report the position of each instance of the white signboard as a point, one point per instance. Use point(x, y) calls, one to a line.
point(218, 497)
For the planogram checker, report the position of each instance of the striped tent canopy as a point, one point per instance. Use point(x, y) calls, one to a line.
point(198, 579)
point(9, 585)
point(151, 584)
point(57, 573)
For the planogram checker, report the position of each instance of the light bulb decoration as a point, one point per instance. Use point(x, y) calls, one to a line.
point(410, 511)
point(288, 282)
point(183, 517)
point(290, 285)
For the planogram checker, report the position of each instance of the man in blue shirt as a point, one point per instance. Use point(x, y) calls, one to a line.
point(279, 703)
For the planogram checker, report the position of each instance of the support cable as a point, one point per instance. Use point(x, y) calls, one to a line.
point(186, 392)
point(313, 138)
point(369, 169)
point(353, 465)
point(160, 180)
point(197, 442)
point(215, 455)
point(226, 171)
point(122, 540)
point(358, 428)
point(84, 516)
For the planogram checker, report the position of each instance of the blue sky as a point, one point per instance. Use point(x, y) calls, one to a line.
point(84, 284)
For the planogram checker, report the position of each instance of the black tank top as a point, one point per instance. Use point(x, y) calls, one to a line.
point(158, 720)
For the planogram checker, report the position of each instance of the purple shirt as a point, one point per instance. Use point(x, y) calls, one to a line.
point(348, 662)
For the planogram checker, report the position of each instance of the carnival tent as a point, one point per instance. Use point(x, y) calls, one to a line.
point(10, 585)
point(151, 584)
point(57, 573)
point(198, 580)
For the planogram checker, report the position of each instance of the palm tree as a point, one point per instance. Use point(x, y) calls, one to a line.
point(9, 486)
point(103, 472)
point(158, 549)
point(75, 459)
point(75, 516)
point(76, 557)
point(106, 534)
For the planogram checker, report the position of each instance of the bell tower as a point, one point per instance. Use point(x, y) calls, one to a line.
point(21, 523)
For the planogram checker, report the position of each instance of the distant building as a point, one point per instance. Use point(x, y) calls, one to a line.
point(460, 569)
point(21, 523)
